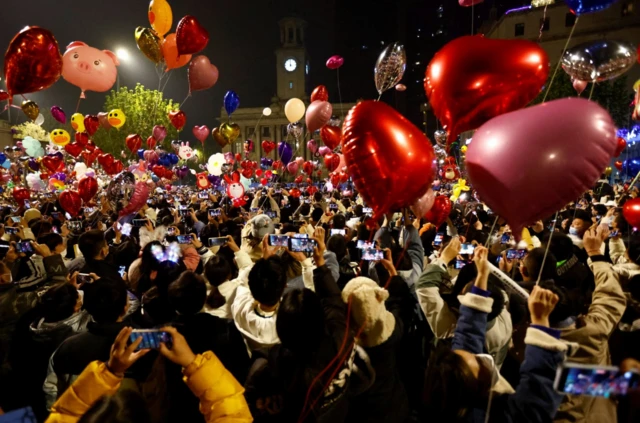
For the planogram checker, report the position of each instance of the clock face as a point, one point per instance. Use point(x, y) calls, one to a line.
point(290, 65)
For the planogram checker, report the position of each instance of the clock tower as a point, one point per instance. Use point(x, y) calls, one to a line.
point(292, 62)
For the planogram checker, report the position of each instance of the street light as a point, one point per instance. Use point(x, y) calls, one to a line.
point(123, 54)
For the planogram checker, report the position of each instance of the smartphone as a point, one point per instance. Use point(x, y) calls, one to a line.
point(460, 264)
point(125, 229)
point(279, 240)
point(10, 230)
point(55, 215)
point(614, 233)
point(171, 231)
point(307, 200)
point(467, 249)
point(594, 381)
point(122, 270)
point(254, 209)
point(218, 241)
point(438, 239)
point(367, 210)
point(333, 232)
point(301, 236)
point(27, 204)
point(371, 254)
point(506, 237)
point(278, 191)
point(203, 195)
point(183, 210)
point(138, 223)
point(89, 209)
point(271, 214)
point(84, 278)
point(551, 223)
point(302, 245)
point(74, 225)
point(513, 254)
point(151, 338)
point(24, 247)
point(55, 230)
point(214, 212)
point(333, 206)
point(362, 244)
point(184, 239)
point(16, 219)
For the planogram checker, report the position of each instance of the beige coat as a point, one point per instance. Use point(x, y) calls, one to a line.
point(592, 332)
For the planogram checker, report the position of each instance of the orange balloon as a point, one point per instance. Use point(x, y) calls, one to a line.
point(170, 53)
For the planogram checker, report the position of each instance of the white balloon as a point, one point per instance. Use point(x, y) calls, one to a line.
point(266, 111)
point(294, 110)
point(40, 120)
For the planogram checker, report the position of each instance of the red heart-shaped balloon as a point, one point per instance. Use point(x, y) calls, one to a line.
point(439, 211)
point(259, 172)
point(44, 176)
point(178, 119)
point(320, 93)
point(268, 174)
point(307, 167)
point(277, 165)
point(82, 138)
point(389, 159)
point(312, 189)
point(473, 79)
point(331, 161)
point(73, 148)
point(344, 177)
point(115, 167)
point(295, 192)
point(87, 188)
point(618, 165)
point(268, 146)
point(201, 132)
point(335, 179)
point(90, 156)
point(246, 164)
point(247, 173)
point(21, 194)
point(309, 181)
point(264, 181)
point(4, 95)
point(90, 146)
point(331, 136)
point(238, 157)
point(105, 159)
point(91, 124)
point(191, 37)
point(133, 142)
point(70, 202)
point(151, 143)
point(620, 147)
point(52, 162)
point(298, 179)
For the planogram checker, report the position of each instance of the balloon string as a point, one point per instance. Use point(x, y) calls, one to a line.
point(78, 105)
point(566, 45)
point(186, 98)
point(546, 251)
point(491, 231)
point(544, 18)
point(593, 87)
point(340, 93)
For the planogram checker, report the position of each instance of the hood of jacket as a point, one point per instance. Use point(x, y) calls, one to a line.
point(77, 322)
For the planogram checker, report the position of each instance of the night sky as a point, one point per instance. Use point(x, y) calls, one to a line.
point(243, 37)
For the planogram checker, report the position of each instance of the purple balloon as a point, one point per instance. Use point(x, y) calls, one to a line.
point(285, 152)
point(181, 172)
point(213, 179)
point(59, 176)
point(266, 162)
point(515, 158)
point(58, 114)
point(159, 133)
point(33, 164)
point(312, 146)
point(324, 150)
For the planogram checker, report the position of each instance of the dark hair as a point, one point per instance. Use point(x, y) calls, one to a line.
point(40, 227)
point(633, 250)
point(560, 245)
point(267, 280)
point(148, 261)
point(209, 231)
point(105, 299)
point(305, 209)
point(358, 210)
point(217, 270)
point(90, 243)
point(600, 209)
point(316, 214)
point(300, 322)
point(533, 265)
point(564, 308)
point(126, 406)
point(51, 240)
point(164, 217)
point(339, 221)
point(59, 302)
point(338, 245)
point(583, 215)
point(317, 196)
point(187, 294)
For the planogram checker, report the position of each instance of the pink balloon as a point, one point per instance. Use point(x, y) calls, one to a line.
point(89, 68)
point(58, 114)
point(201, 132)
point(324, 150)
point(299, 160)
point(229, 157)
point(401, 87)
point(423, 204)
point(318, 114)
point(343, 163)
point(151, 157)
point(202, 74)
point(469, 3)
point(159, 133)
point(515, 158)
point(312, 146)
point(292, 167)
point(335, 62)
point(579, 86)
point(138, 199)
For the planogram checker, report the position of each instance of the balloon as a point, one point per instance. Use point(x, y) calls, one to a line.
point(294, 110)
point(191, 37)
point(91, 124)
point(214, 164)
point(324, 150)
point(229, 131)
point(116, 118)
point(285, 152)
point(401, 87)
point(331, 136)
point(331, 161)
point(472, 79)
point(390, 160)
point(463, 149)
point(299, 160)
point(58, 114)
point(231, 102)
point(59, 137)
point(88, 68)
point(70, 202)
point(318, 114)
point(31, 146)
point(178, 119)
point(335, 62)
point(217, 136)
point(618, 165)
point(82, 138)
point(295, 130)
point(133, 142)
point(312, 146)
point(292, 168)
point(266, 111)
point(201, 132)
point(33, 164)
point(160, 16)
point(202, 74)
point(423, 204)
point(248, 146)
point(441, 137)
point(77, 122)
point(103, 118)
point(31, 109)
point(390, 67)
point(439, 211)
point(622, 144)
point(265, 162)
point(578, 85)
point(87, 188)
point(631, 212)
point(268, 146)
point(172, 58)
point(137, 200)
point(468, 3)
point(32, 61)
point(515, 158)
point(74, 149)
point(39, 120)
point(159, 133)
point(607, 171)
point(598, 61)
point(320, 93)
point(149, 44)
point(580, 7)
point(181, 172)
point(5, 95)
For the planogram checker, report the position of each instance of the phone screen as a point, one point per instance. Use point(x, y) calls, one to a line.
point(506, 237)
point(254, 209)
point(438, 239)
point(217, 242)
point(16, 219)
point(367, 210)
point(460, 264)
point(304, 245)
point(214, 212)
point(362, 244)
point(122, 270)
point(55, 215)
point(271, 214)
point(203, 195)
point(151, 339)
point(171, 231)
point(27, 204)
point(279, 240)
point(337, 232)
point(467, 249)
point(516, 254)
point(74, 225)
point(594, 381)
point(614, 233)
point(333, 206)
point(10, 230)
point(84, 278)
point(184, 239)
point(138, 223)
point(371, 254)
point(301, 235)
point(24, 247)
point(125, 229)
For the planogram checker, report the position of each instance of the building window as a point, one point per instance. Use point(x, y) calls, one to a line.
point(569, 19)
point(284, 132)
point(298, 36)
point(519, 30)
point(290, 35)
point(290, 85)
point(237, 147)
point(250, 132)
point(627, 9)
point(306, 68)
point(545, 24)
point(266, 132)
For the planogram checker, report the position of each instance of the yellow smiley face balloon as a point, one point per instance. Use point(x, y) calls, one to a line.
point(60, 137)
point(77, 122)
point(116, 118)
point(463, 149)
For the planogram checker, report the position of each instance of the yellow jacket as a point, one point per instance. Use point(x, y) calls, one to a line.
point(221, 396)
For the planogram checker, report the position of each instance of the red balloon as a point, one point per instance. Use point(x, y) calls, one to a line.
point(178, 119)
point(74, 149)
point(298, 179)
point(307, 168)
point(87, 188)
point(105, 159)
point(331, 136)
point(268, 146)
point(90, 146)
point(53, 163)
point(259, 172)
point(390, 160)
point(277, 165)
point(631, 212)
point(4, 95)
point(82, 138)
point(151, 143)
point(32, 62)
point(473, 79)
point(618, 165)
point(91, 124)
point(90, 156)
point(622, 144)
point(331, 161)
point(439, 211)
point(21, 194)
point(238, 157)
point(264, 181)
point(247, 172)
point(202, 74)
point(295, 192)
point(138, 198)
point(114, 167)
point(335, 179)
point(191, 37)
point(134, 142)
point(70, 202)
point(320, 93)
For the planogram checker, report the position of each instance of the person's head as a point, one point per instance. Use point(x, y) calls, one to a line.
point(317, 197)
point(60, 302)
point(93, 246)
point(633, 250)
point(358, 210)
point(305, 209)
point(148, 260)
point(54, 241)
point(599, 210)
point(262, 225)
point(581, 222)
point(300, 322)
point(106, 300)
point(564, 308)
point(338, 245)
point(532, 264)
point(217, 270)
point(188, 293)
point(267, 280)
point(339, 221)
point(316, 214)
point(40, 227)
point(560, 245)
point(368, 310)
point(32, 215)
point(126, 406)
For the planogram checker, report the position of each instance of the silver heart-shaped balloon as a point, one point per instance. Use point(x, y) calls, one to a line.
point(295, 130)
point(597, 61)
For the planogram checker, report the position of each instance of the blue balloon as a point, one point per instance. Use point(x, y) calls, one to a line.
point(2, 157)
point(173, 158)
point(141, 153)
point(164, 161)
point(285, 152)
point(631, 167)
point(6, 164)
point(580, 7)
point(231, 102)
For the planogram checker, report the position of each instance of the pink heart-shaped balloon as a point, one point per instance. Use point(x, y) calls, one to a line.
point(202, 74)
point(292, 168)
point(335, 62)
point(514, 158)
point(159, 133)
point(324, 150)
point(299, 160)
point(312, 146)
point(469, 3)
point(318, 114)
point(201, 132)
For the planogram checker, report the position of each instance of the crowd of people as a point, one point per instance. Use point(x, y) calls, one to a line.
point(305, 308)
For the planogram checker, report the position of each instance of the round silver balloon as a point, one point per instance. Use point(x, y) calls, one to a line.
point(597, 61)
point(440, 137)
point(440, 152)
point(120, 190)
point(334, 121)
point(295, 130)
point(390, 67)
